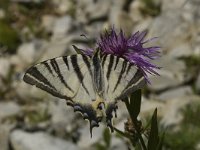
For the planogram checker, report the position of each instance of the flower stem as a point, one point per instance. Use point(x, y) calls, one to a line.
point(134, 120)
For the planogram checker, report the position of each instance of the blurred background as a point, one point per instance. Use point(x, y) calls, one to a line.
point(36, 30)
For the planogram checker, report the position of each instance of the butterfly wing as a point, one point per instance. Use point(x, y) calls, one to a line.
point(66, 77)
point(120, 77)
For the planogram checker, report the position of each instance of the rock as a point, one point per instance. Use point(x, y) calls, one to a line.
point(135, 11)
point(172, 5)
point(4, 67)
point(117, 143)
point(178, 22)
point(190, 11)
point(93, 31)
point(55, 48)
point(48, 22)
point(86, 11)
point(198, 146)
point(143, 25)
point(8, 109)
point(197, 84)
point(120, 18)
point(29, 52)
point(21, 140)
point(62, 26)
point(171, 112)
point(2, 13)
point(173, 65)
point(172, 74)
point(63, 6)
point(195, 42)
point(27, 92)
point(4, 136)
point(183, 50)
point(162, 82)
point(102, 5)
point(175, 93)
point(174, 31)
point(148, 107)
point(62, 116)
point(168, 111)
point(85, 140)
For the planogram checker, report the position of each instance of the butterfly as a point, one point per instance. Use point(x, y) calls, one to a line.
point(92, 85)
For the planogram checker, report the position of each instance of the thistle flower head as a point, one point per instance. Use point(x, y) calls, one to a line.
point(130, 48)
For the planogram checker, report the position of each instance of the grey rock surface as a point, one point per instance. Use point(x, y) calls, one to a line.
point(61, 27)
point(176, 93)
point(171, 112)
point(85, 140)
point(62, 116)
point(5, 65)
point(8, 109)
point(172, 74)
point(22, 140)
point(5, 130)
point(28, 53)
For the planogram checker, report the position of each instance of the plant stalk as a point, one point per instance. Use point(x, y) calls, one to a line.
point(134, 120)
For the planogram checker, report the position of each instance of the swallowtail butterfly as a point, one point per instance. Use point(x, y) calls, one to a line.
point(91, 85)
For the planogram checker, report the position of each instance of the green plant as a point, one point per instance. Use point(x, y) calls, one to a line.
point(188, 135)
point(134, 129)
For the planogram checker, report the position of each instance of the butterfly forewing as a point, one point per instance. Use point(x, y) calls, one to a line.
point(65, 77)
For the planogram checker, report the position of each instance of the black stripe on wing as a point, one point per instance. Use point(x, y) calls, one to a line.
point(103, 59)
point(116, 62)
point(48, 67)
point(34, 77)
point(60, 76)
point(86, 61)
point(66, 61)
point(110, 66)
point(124, 65)
point(136, 77)
point(128, 68)
point(78, 72)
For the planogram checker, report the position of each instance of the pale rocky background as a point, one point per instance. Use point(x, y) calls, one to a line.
point(36, 30)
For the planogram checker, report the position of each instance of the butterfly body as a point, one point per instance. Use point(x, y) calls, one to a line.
point(91, 85)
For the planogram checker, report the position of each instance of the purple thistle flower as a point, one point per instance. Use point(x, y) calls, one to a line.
point(130, 48)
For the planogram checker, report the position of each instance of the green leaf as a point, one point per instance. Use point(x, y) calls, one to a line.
point(133, 107)
point(135, 104)
point(107, 137)
point(100, 146)
point(8, 36)
point(153, 137)
point(161, 140)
